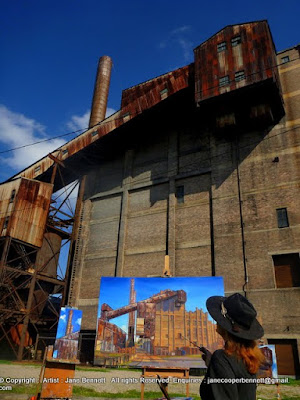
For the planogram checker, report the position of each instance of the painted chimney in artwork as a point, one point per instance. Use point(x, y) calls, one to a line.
point(69, 324)
point(131, 316)
point(101, 89)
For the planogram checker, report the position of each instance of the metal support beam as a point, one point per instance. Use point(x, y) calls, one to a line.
point(27, 317)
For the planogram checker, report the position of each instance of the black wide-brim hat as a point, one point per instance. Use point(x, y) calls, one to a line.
point(236, 315)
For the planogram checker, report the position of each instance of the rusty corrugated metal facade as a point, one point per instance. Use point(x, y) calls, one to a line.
point(238, 51)
point(147, 94)
point(24, 207)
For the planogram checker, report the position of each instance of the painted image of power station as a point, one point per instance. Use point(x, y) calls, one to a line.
point(66, 343)
point(156, 316)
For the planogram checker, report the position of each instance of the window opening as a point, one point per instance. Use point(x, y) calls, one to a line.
point(6, 220)
point(221, 47)
point(239, 76)
point(235, 41)
point(282, 218)
point(164, 93)
point(287, 270)
point(224, 81)
point(285, 59)
point(180, 194)
point(12, 196)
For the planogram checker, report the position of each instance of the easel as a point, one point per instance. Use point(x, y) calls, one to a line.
point(54, 377)
point(278, 391)
point(164, 373)
point(161, 373)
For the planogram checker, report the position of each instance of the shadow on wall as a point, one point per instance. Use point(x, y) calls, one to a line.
point(175, 136)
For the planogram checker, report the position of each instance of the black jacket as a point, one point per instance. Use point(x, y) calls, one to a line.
point(227, 367)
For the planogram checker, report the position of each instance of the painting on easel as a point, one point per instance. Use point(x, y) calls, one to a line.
point(66, 343)
point(156, 318)
point(269, 367)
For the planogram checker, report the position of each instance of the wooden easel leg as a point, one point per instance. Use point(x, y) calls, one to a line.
point(142, 390)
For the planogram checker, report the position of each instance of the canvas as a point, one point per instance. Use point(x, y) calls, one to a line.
point(156, 320)
point(66, 343)
point(269, 368)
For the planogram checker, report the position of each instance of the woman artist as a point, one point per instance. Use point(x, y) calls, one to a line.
point(232, 371)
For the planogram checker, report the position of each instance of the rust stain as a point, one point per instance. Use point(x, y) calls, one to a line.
point(27, 213)
point(255, 55)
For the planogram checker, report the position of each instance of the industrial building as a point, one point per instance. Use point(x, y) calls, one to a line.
point(200, 167)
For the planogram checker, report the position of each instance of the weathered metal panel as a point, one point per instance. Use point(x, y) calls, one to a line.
point(255, 55)
point(26, 215)
point(145, 95)
point(48, 255)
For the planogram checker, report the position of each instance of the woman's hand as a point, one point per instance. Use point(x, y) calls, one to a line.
point(206, 356)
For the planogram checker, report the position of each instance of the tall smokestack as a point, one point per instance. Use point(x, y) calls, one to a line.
point(101, 88)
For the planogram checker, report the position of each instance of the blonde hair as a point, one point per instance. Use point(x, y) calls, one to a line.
point(246, 350)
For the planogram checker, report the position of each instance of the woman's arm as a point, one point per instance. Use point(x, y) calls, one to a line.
point(220, 370)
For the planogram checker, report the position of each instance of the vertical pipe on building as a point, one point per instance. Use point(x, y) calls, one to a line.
point(241, 216)
point(101, 89)
point(70, 292)
point(212, 236)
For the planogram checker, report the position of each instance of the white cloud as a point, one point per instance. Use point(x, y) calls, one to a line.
point(18, 130)
point(186, 46)
point(78, 321)
point(82, 121)
point(79, 122)
point(63, 317)
point(124, 327)
point(178, 37)
point(109, 112)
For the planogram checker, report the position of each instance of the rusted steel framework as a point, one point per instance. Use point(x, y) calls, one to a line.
point(33, 226)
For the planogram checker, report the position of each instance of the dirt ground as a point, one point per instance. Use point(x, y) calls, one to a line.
point(118, 381)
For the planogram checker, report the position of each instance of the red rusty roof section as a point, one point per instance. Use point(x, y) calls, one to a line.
point(255, 55)
point(147, 94)
point(135, 100)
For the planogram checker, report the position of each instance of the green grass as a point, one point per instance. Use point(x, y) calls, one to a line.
point(134, 394)
point(98, 369)
point(94, 369)
point(292, 382)
point(24, 389)
point(282, 397)
point(35, 364)
point(88, 392)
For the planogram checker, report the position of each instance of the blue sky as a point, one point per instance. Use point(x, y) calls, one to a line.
point(115, 291)
point(50, 51)
point(63, 319)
